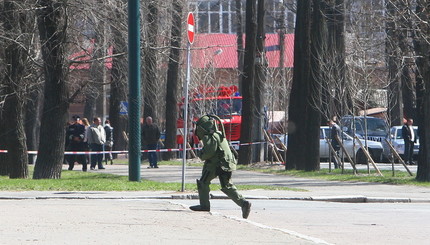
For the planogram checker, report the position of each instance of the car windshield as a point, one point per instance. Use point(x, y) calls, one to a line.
point(375, 126)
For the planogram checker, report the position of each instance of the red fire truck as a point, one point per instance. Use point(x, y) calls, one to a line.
point(225, 102)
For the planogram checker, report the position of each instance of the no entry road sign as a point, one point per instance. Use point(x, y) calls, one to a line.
point(190, 23)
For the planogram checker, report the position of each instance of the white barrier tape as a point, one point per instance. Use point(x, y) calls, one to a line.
point(124, 152)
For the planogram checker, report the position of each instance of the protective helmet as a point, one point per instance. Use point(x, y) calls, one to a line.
point(205, 125)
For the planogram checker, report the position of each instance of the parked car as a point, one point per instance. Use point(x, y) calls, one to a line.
point(399, 143)
point(377, 129)
point(351, 146)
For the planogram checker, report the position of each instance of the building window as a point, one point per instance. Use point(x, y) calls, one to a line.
point(219, 16)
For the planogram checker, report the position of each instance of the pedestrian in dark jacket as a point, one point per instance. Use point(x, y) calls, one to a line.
point(335, 131)
point(410, 138)
point(150, 136)
point(75, 136)
point(109, 141)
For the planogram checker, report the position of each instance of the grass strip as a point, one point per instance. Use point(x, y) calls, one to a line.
point(399, 178)
point(88, 181)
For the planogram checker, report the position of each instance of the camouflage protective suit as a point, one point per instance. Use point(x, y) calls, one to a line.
point(219, 162)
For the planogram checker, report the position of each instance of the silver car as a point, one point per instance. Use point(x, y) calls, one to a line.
point(351, 146)
point(399, 143)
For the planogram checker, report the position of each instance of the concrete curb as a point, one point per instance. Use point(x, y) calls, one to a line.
point(344, 199)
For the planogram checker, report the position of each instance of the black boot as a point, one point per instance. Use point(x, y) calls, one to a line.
point(199, 208)
point(246, 209)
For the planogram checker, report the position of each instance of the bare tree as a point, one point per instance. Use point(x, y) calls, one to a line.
point(248, 83)
point(17, 81)
point(3, 157)
point(295, 154)
point(304, 115)
point(260, 81)
point(401, 98)
point(52, 31)
point(150, 80)
point(335, 98)
point(422, 46)
point(118, 88)
point(173, 78)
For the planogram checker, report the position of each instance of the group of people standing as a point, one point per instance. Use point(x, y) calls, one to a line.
point(81, 136)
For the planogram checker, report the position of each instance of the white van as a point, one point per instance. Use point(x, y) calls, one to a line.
point(377, 129)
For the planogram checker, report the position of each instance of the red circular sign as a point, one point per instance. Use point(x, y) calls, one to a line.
point(190, 28)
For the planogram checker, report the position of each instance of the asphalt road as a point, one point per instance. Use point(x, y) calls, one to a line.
point(127, 221)
point(152, 221)
point(338, 223)
point(322, 214)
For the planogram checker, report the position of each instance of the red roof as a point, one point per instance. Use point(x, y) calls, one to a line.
point(208, 50)
point(220, 50)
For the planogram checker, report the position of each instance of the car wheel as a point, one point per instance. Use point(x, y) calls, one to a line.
point(361, 157)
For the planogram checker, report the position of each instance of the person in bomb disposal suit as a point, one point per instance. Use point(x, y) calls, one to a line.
point(75, 135)
point(219, 162)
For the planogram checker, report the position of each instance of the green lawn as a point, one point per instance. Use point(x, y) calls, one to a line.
point(89, 181)
point(400, 177)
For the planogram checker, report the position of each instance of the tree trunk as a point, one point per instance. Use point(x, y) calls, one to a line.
point(407, 83)
point(3, 157)
point(15, 58)
point(52, 32)
point(90, 99)
point(313, 100)
point(297, 112)
point(260, 80)
point(15, 136)
point(248, 101)
point(119, 89)
point(173, 79)
point(333, 77)
point(32, 121)
point(395, 103)
point(407, 88)
point(4, 168)
point(305, 116)
point(150, 81)
point(340, 61)
point(422, 47)
point(95, 92)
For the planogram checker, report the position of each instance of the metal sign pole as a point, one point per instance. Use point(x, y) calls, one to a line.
point(184, 145)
